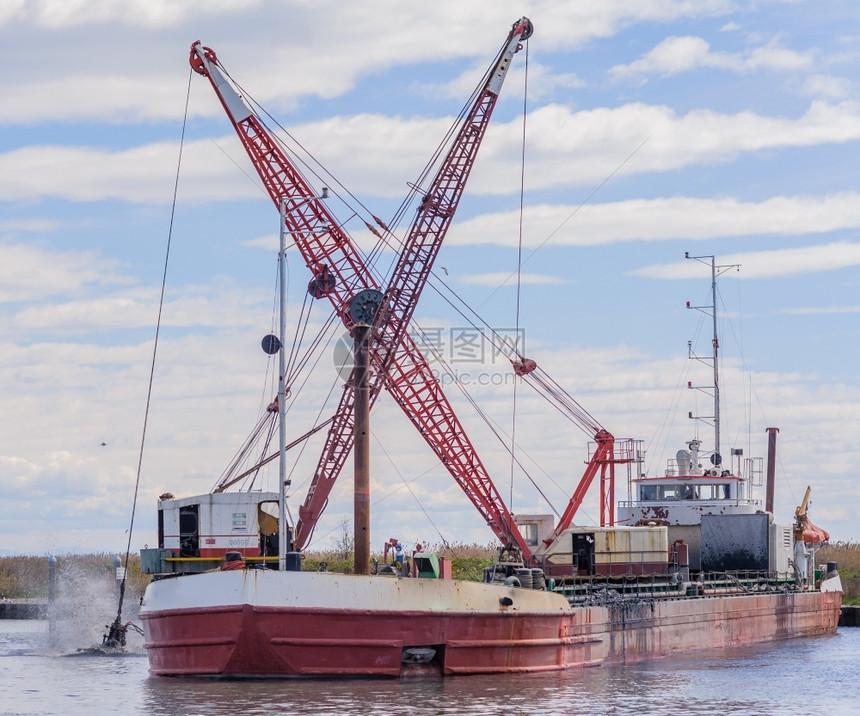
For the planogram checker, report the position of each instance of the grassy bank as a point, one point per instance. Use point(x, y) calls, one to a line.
point(847, 556)
point(27, 576)
point(23, 577)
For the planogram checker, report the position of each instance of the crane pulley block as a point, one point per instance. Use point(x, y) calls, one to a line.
point(524, 366)
point(323, 282)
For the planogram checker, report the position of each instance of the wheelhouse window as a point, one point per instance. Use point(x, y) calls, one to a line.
point(684, 491)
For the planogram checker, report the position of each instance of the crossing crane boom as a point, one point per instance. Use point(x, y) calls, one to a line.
point(339, 274)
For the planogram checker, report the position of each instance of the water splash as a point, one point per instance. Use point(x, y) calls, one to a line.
point(84, 607)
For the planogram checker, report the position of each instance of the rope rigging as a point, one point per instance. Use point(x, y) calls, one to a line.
point(387, 239)
point(302, 158)
point(538, 379)
point(320, 240)
point(519, 272)
point(117, 631)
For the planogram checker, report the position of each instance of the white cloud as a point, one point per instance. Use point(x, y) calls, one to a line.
point(769, 264)
point(566, 24)
point(663, 219)
point(152, 38)
point(269, 242)
point(542, 82)
point(566, 148)
point(824, 310)
point(29, 273)
point(109, 97)
point(28, 226)
point(777, 58)
point(675, 54)
point(62, 14)
point(827, 87)
point(143, 174)
point(683, 54)
point(197, 306)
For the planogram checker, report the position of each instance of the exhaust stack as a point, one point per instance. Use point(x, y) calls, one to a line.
point(771, 467)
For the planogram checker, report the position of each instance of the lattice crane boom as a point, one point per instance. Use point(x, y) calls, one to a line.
point(403, 369)
point(324, 245)
point(339, 274)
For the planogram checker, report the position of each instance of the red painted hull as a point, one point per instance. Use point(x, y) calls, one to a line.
point(248, 640)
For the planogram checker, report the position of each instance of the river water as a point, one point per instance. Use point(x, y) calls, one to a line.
point(805, 676)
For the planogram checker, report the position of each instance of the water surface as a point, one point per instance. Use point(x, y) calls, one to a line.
point(805, 676)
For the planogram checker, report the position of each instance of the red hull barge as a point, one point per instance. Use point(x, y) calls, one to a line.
point(401, 626)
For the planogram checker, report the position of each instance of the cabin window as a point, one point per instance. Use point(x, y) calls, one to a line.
point(710, 492)
point(669, 492)
point(529, 532)
point(714, 492)
point(684, 491)
point(648, 492)
point(160, 528)
point(189, 531)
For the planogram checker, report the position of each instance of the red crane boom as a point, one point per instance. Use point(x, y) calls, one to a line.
point(607, 451)
point(339, 274)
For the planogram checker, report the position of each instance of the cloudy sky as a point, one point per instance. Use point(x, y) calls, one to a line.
point(726, 128)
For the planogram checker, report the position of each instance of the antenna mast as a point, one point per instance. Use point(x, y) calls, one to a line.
point(711, 311)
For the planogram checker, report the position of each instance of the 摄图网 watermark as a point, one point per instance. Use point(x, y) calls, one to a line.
point(464, 355)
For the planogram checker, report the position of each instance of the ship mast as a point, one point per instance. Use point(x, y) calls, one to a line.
point(283, 542)
point(711, 311)
point(275, 344)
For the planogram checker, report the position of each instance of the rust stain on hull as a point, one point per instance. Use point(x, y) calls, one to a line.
point(280, 642)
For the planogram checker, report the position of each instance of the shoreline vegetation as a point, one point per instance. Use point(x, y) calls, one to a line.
point(27, 576)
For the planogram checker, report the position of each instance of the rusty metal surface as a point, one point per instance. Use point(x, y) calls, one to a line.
point(734, 543)
point(268, 624)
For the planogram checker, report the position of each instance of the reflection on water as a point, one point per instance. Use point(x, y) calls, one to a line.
point(765, 680)
point(810, 676)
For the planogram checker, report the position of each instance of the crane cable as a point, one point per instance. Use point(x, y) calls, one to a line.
point(495, 429)
point(553, 392)
point(116, 634)
point(546, 386)
point(383, 240)
point(310, 163)
point(393, 243)
point(562, 400)
point(519, 273)
point(267, 423)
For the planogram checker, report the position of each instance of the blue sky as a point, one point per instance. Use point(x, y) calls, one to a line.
point(653, 128)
